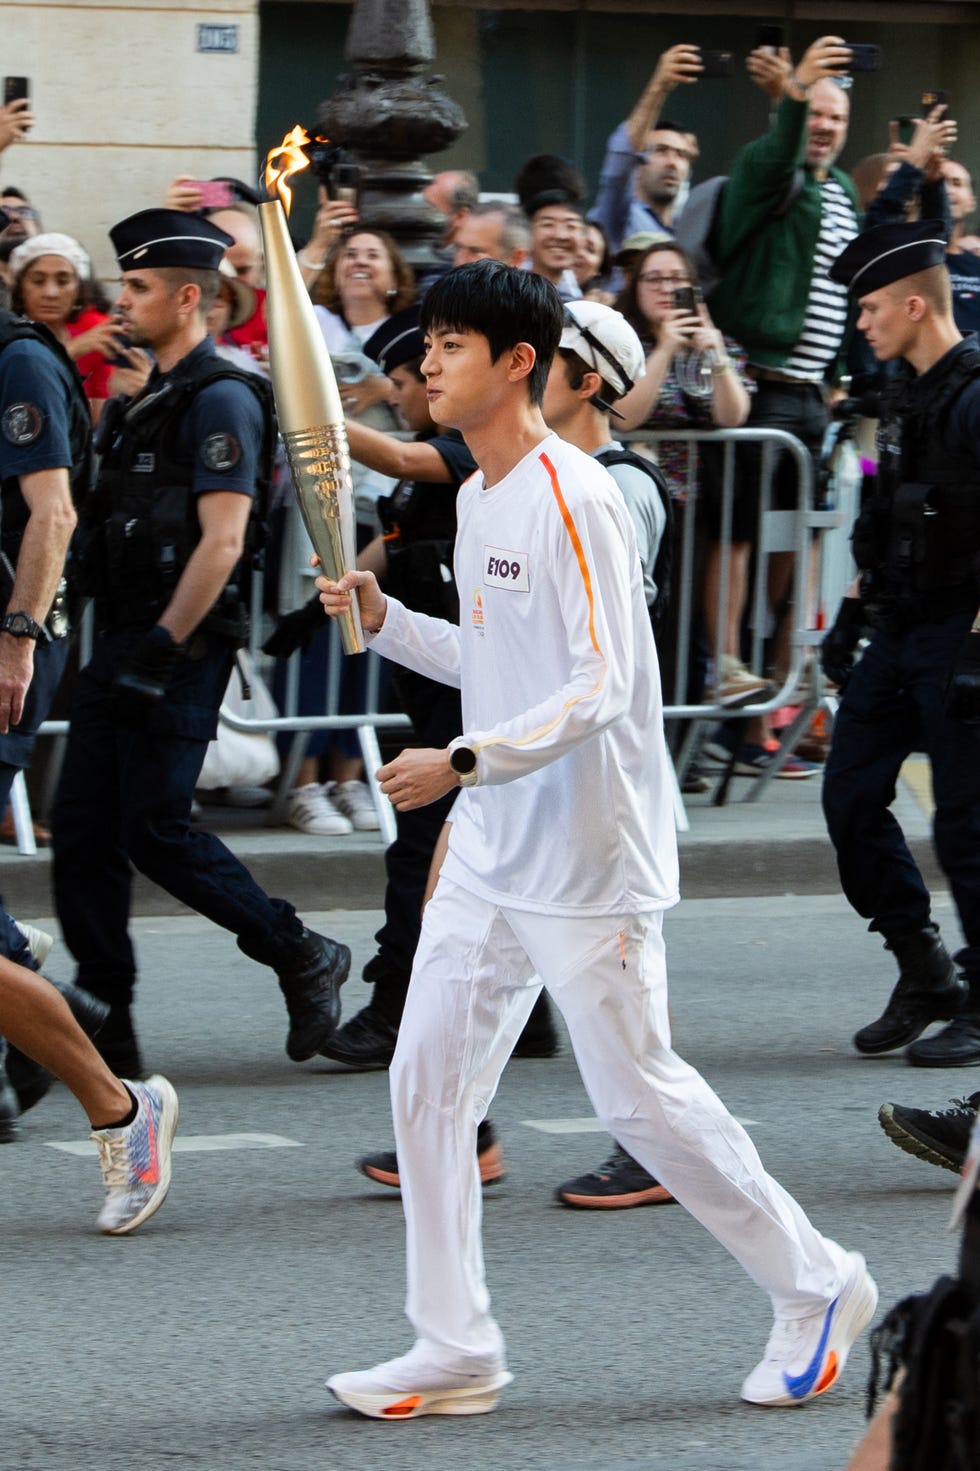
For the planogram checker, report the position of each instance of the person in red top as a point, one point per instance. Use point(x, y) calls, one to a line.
point(51, 277)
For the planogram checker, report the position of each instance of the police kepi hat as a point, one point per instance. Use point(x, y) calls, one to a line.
point(887, 253)
point(168, 237)
point(398, 340)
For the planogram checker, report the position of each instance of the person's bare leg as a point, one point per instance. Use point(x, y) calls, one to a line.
point(738, 588)
point(36, 1019)
point(344, 768)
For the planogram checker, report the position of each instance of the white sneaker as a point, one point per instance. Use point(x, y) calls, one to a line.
point(310, 810)
point(39, 942)
point(404, 1388)
point(353, 799)
point(805, 1356)
point(736, 686)
point(136, 1160)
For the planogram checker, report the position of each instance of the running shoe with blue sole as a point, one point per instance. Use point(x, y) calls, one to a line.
point(805, 1356)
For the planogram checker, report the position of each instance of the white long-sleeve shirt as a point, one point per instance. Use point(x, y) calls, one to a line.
point(554, 657)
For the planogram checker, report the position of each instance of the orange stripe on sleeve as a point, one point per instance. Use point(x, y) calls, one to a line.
point(574, 538)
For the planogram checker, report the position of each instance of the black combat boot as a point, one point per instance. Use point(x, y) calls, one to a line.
point(957, 1045)
point(9, 1108)
point(929, 990)
point(311, 984)
point(367, 1040)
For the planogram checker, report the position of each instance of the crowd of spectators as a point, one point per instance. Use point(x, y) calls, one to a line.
point(727, 289)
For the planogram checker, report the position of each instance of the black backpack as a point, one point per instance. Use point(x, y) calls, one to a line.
point(619, 454)
point(935, 1337)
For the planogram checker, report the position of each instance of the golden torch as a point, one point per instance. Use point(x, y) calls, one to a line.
point(311, 418)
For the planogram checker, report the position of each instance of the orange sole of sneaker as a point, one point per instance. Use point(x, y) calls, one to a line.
point(655, 1196)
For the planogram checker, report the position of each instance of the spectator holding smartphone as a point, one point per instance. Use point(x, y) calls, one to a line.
point(648, 159)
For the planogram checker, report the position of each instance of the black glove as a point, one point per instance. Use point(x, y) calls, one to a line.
point(295, 630)
point(961, 698)
point(142, 681)
point(841, 640)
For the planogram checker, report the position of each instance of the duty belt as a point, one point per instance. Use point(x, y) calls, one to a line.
point(899, 614)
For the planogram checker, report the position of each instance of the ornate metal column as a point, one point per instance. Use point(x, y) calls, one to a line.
point(388, 115)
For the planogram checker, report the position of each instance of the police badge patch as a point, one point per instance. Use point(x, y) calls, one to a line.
point(221, 452)
point(21, 423)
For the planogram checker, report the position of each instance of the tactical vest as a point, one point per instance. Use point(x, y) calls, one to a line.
point(620, 455)
point(14, 513)
point(918, 537)
point(140, 524)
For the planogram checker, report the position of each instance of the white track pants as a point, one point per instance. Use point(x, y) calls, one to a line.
point(473, 985)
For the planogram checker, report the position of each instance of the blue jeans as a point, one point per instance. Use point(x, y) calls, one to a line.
point(893, 705)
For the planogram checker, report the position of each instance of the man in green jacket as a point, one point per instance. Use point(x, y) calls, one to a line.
point(785, 213)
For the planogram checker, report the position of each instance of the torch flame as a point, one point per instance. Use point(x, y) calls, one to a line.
point(290, 149)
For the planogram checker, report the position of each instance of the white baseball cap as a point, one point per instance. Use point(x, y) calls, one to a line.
point(604, 340)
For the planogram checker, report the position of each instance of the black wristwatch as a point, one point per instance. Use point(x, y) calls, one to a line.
point(462, 759)
point(21, 625)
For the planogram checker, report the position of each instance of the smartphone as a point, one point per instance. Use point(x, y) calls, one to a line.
point(215, 193)
point(687, 298)
point(16, 89)
point(935, 98)
point(864, 58)
point(905, 123)
point(345, 183)
point(717, 63)
point(769, 38)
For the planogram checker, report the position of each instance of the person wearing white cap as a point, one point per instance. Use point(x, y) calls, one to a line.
point(51, 283)
point(45, 440)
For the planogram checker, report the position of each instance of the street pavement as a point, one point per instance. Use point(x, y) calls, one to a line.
point(205, 1338)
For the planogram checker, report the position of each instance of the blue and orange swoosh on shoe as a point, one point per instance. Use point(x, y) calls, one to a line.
point(814, 1379)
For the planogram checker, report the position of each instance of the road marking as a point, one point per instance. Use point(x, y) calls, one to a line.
point(588, 1125)
point(194, 1143)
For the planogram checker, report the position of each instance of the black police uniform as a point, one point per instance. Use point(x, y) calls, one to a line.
point(136, 742)
point(919, 543)
point(44, 425)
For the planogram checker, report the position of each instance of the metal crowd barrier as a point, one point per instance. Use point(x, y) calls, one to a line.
point(817, 535)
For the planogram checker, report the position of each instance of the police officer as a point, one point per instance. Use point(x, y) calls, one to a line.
point(917, 684)
point(45, 434)
point(183, 473)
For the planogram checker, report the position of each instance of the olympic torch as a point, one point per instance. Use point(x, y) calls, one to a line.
point(311, 419)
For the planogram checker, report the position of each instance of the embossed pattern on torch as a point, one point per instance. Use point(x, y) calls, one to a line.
point(311, 418)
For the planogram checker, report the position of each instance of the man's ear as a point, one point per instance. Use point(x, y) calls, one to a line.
point(522, 360)
point(591, 384)
point(915, 308)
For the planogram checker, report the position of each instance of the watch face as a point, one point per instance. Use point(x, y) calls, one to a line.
point(463, 760)
point(21, 625)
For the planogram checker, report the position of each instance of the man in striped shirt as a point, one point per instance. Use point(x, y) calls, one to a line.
point(786, 212)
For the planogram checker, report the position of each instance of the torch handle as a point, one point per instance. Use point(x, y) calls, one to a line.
point(320, 465)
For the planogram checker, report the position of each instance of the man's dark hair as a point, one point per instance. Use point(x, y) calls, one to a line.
point(504, 305)
point(207, 283)
point(10, 191)
point(548, 179)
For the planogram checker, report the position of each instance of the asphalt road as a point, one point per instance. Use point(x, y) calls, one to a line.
point(204, 1340)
